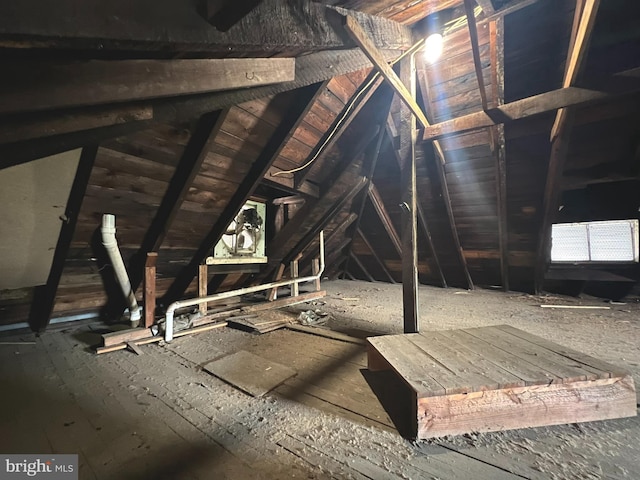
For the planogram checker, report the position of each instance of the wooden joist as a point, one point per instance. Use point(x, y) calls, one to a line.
point(105, 82)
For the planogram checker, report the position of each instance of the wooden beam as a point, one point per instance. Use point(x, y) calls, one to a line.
point(475, 49)
point(378, 205)
point(577, 51)
point(69, 129)
point(409, 199)
point(44, 296)
point(560, 136)
point(375, 256)
point(38, 85)
point(186, 171)
point(150, 289)
point(361, 267)
point(358, 34)
point(251, 180)
point(527, 107)
point(496, 36)
point(311, 249)
point(170, 27)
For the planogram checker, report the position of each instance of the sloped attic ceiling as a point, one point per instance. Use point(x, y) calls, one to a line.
point(175, 170)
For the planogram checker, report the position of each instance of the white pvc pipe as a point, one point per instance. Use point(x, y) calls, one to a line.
point(111, 245)
point(168, 324)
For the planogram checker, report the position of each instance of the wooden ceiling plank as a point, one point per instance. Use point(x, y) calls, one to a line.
point(475, 48)
point(44, 296)
point(252, 179)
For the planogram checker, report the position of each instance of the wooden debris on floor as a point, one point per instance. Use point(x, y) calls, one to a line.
point(250, 373)
point(499, 378)
point(260, 323)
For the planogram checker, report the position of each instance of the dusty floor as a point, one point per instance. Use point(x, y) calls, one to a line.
point(160, 416)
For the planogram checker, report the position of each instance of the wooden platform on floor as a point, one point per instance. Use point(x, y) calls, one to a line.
point(499, 378)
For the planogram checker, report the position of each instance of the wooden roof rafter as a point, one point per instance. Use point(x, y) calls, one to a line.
point(584, 22)
point(251, 181)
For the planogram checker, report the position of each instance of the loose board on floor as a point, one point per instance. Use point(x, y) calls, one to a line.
point(250, 373)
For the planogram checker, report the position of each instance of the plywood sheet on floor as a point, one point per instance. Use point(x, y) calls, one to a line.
point(250, 373)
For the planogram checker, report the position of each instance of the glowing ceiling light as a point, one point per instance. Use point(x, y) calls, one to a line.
point(433, 47)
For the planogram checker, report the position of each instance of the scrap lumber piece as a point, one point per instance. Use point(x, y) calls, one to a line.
point(250, 373)
point(324, 332)
point(159, 338)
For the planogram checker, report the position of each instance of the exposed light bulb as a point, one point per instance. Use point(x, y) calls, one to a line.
point(433, 47)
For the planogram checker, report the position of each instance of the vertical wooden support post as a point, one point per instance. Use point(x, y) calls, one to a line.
point(295, 288)
point(496, 41)
point(150, 289)
point(315, 269)
point(273, 293)
point(203, 281)
point(409, 201)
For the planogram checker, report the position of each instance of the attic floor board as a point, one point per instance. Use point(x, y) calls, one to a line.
point(160, 416)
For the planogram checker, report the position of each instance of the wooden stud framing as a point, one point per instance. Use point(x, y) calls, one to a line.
point(44, 296)
point(150, 289)
point(427, 232)
point(203, 281)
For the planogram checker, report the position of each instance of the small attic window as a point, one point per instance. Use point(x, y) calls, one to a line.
point(595, 242)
